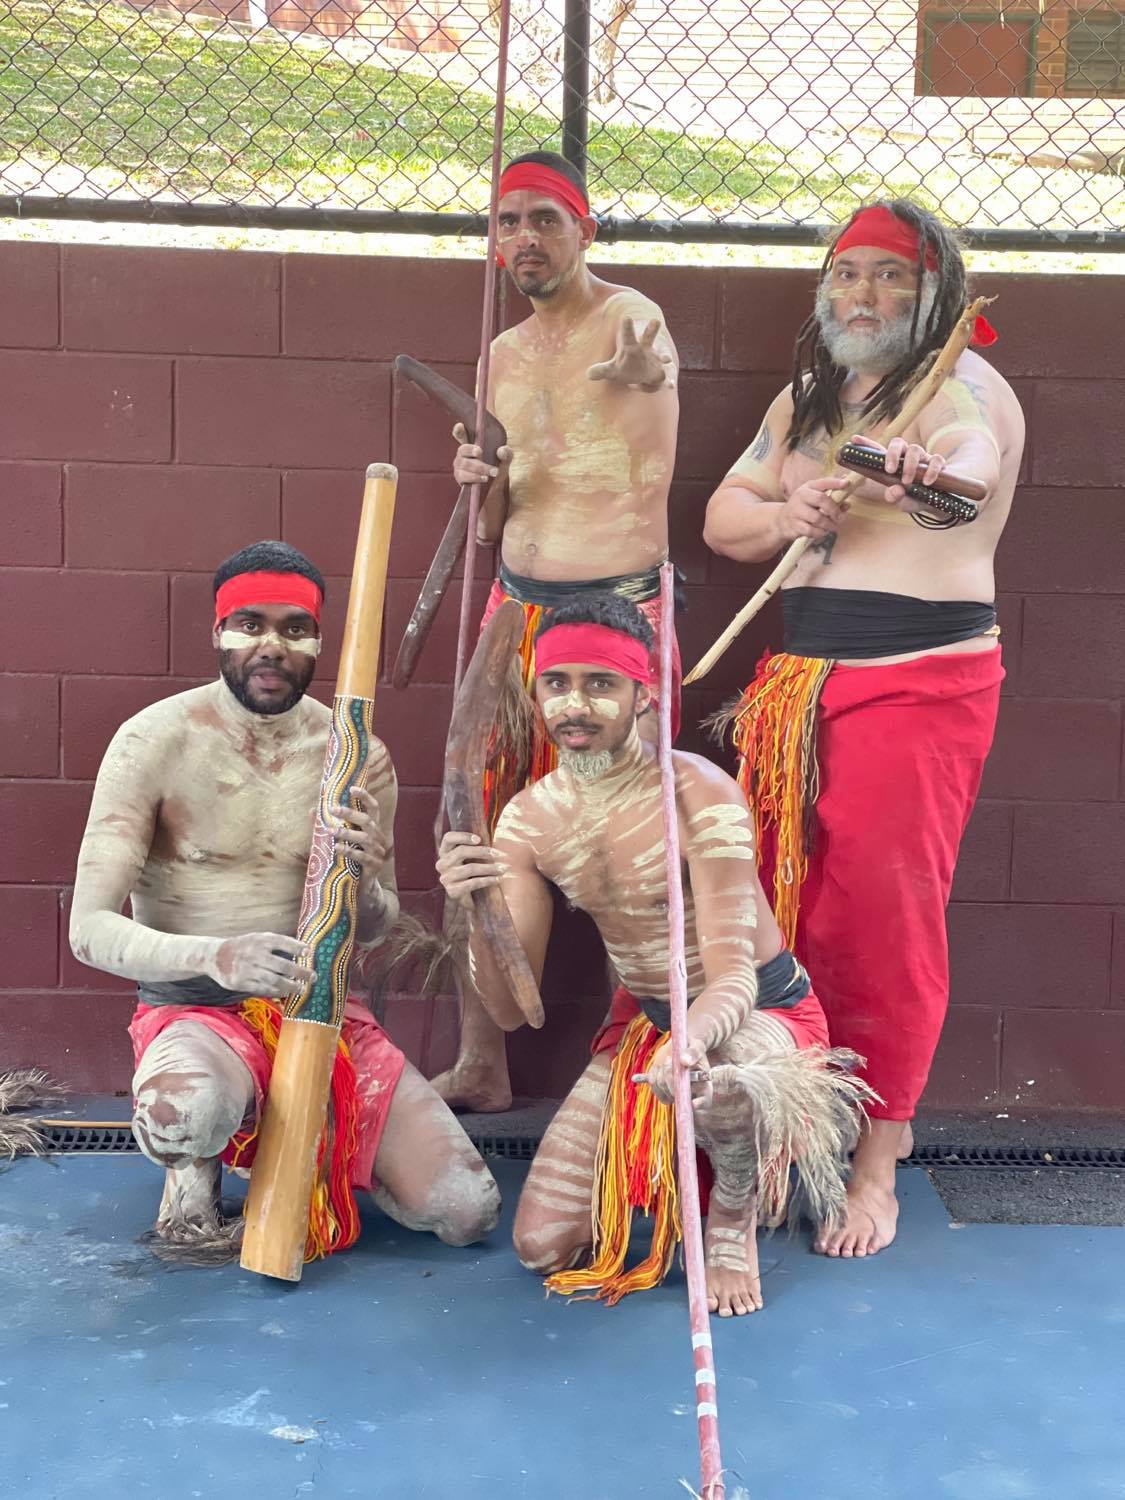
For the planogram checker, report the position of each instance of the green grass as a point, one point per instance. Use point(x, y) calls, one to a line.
point(154, 102)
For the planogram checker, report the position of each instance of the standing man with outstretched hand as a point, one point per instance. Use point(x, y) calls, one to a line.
point(586, 388)
point(870, 728)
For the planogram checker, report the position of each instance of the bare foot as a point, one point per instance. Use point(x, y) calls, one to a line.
point(730, 1251)
point(481, 1091)
point(906, 1144)
point(190, 1229)
point(870, 1223)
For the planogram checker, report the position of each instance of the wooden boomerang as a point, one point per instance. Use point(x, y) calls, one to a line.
point(463, 408)
point(474, 714)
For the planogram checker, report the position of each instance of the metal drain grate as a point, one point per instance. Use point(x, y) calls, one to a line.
point(98, 1136)
point(510, 1147)
point(1019, 1158)
point(102, 1137)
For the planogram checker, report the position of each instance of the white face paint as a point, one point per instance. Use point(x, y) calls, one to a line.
point(853, 287)
point(241, 640)
point(605, 708)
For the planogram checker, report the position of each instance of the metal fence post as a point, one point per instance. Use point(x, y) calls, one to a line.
point(576, 82)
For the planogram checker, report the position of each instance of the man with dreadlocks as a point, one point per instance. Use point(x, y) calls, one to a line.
point(202, 819)
point(767, 1092)
point(863, 741)
point(586, 388)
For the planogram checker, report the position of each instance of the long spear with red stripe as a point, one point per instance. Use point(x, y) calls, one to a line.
point(706, 1396)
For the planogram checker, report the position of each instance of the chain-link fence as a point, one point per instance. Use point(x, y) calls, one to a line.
point(696, 119)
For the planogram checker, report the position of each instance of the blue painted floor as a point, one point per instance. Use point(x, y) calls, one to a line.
point(976, 1363)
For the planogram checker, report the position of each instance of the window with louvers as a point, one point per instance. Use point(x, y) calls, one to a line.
point(1095, 54)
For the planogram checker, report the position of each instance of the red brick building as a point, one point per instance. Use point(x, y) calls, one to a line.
point(1066, 48)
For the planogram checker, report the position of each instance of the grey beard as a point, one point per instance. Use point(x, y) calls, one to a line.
point(872, 354)
point(587, 765)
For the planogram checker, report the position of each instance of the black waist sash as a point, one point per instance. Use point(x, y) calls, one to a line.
point(781, 984)
point(834, 623)
point(197, 991)
point(639, 587)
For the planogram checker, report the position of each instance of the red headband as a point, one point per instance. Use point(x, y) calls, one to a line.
point(594, 646)
point(884, 230)
point(536, 177)
point(245, 589)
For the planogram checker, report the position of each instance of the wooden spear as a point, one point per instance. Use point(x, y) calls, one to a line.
point(486, 322)
point(282, 1180)
point(915, 403)
point(706, 1407)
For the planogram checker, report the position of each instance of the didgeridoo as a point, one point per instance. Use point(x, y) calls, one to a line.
point(470, 728)
point(282, 1180)
point(463, 408)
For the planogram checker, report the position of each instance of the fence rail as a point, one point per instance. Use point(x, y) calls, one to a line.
point(723, 120)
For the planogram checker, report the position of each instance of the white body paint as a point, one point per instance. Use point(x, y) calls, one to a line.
point(592, 461)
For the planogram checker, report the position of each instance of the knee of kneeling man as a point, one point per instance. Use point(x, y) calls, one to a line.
point(469, 1210)
point(178, 1119)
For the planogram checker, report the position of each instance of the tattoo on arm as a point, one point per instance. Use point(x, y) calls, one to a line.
point(757, 452)
point(978, 393)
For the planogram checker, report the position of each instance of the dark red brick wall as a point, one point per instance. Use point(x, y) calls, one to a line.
point(161, 408)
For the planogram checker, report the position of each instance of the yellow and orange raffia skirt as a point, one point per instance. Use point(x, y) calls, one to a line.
point(773, 727)
point(636, 1169)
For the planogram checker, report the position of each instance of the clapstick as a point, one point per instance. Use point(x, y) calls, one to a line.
point(870, 462)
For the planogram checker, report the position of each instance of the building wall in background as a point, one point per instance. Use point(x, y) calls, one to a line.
point(163, 407)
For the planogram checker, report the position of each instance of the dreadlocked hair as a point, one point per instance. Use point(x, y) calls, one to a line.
point(817, 381)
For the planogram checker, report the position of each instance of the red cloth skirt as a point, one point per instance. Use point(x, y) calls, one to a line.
point(901, 749)
point(378, 1065)
point(806, 1021)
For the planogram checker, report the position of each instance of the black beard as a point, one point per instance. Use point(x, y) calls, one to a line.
point(240, 685)
point(549, 287)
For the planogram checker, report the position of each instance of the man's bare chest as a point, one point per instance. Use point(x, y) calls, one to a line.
point(613, 866)
point(226, 811)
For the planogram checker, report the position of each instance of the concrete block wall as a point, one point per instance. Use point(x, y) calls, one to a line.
point(163, 407)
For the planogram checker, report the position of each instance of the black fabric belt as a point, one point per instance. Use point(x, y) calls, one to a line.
point(782, 983)
point(639, 587)
point(198, 991)
point(834, 623)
